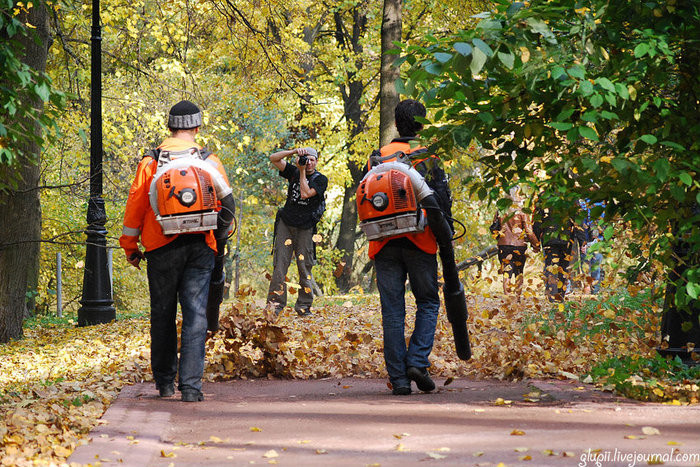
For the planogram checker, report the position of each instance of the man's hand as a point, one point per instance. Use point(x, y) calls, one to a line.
point(301, 152)
point(135, 258)
point(277, 158)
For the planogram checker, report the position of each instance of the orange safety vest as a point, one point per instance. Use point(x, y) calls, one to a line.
point(139, 218)
point(424, 240)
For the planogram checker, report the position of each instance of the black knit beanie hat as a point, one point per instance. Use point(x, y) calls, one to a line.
point(184, 116)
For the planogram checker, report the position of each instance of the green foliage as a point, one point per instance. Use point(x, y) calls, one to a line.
point(621, 311)
point(580, 99)
point(652, 378)
point(22, 90)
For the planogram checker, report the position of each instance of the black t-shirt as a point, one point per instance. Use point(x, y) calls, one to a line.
point(298, 212)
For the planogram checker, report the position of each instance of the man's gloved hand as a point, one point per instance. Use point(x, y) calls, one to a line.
point(135, 258)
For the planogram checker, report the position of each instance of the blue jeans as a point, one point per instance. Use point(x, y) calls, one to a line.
point(180, 270)
point(595, 262)
point(393, 264)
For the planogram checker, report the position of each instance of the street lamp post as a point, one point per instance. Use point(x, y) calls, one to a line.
point(97, 288)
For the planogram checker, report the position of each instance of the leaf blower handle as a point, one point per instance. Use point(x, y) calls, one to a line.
point(453, 292)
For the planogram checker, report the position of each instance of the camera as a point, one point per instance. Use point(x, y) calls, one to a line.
point(303, 160)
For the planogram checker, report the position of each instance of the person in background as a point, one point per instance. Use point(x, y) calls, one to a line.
point(294, 226)
point(556, 237)
point(512, 238)
point(593, 259)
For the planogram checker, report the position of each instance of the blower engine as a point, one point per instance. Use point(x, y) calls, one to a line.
point(387, 205)
point(184, 192)
point(388, 200)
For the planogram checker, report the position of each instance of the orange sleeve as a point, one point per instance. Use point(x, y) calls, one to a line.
point(137, 206)
point(216, 162)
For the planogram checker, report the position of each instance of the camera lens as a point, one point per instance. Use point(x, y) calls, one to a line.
point(302, 160)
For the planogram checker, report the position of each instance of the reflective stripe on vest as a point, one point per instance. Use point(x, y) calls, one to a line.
point(130, 231)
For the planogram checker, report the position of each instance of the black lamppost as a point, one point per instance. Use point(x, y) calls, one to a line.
point(97, 288)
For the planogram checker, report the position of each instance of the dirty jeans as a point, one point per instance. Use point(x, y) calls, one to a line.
point(556, 264)
point(292, 241)
point(392, 265)
point(180, 270)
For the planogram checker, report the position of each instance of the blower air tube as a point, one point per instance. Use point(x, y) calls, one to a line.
point(453, 292)
point(218, 276)
point(224, 220)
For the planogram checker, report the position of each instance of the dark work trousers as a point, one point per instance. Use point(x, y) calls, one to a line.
point(291, 241)
point(180, 271)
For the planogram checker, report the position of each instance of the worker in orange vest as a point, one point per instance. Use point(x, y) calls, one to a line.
point(179, 265)
point(412, 256)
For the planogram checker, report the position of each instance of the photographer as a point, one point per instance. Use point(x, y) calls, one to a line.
point(294, 226)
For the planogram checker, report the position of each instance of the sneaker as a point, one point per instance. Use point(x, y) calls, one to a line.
point(421, 378)
point(166, 390)
point(304, 312)
point(401, 391)
point(192, 395)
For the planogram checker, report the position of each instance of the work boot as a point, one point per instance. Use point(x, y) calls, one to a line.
point(192, 395)
point(421, 377)
point(166, 390)
point(401, 391)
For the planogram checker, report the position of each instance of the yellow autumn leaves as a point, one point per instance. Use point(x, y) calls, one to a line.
point(56, 383)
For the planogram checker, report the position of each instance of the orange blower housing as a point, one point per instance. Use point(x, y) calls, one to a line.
point(186, 200)
point(386, 205)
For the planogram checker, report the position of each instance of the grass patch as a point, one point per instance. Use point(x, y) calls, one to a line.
point(70, 319)
point(652, 378)
point(622, 312)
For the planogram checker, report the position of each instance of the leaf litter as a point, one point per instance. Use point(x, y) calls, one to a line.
point(55, 384)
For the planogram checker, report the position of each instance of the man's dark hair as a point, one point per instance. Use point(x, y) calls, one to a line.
point(405, 113)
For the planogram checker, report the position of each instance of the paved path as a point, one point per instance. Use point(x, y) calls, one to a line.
point(356, 422)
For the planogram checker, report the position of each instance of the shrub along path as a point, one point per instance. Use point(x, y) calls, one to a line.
point(357, 422)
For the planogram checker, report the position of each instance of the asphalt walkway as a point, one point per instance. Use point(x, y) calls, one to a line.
point(357, 422)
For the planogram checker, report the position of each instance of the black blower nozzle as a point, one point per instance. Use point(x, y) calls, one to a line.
point(453, 292)
point(456, 306)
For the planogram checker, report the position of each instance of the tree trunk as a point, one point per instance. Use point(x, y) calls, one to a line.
point(20, 210)
point(391, 31)
point(352, 93)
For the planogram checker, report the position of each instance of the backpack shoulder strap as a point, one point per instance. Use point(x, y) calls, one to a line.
point(204, 152)
point(376, 158)
point(153, 153)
